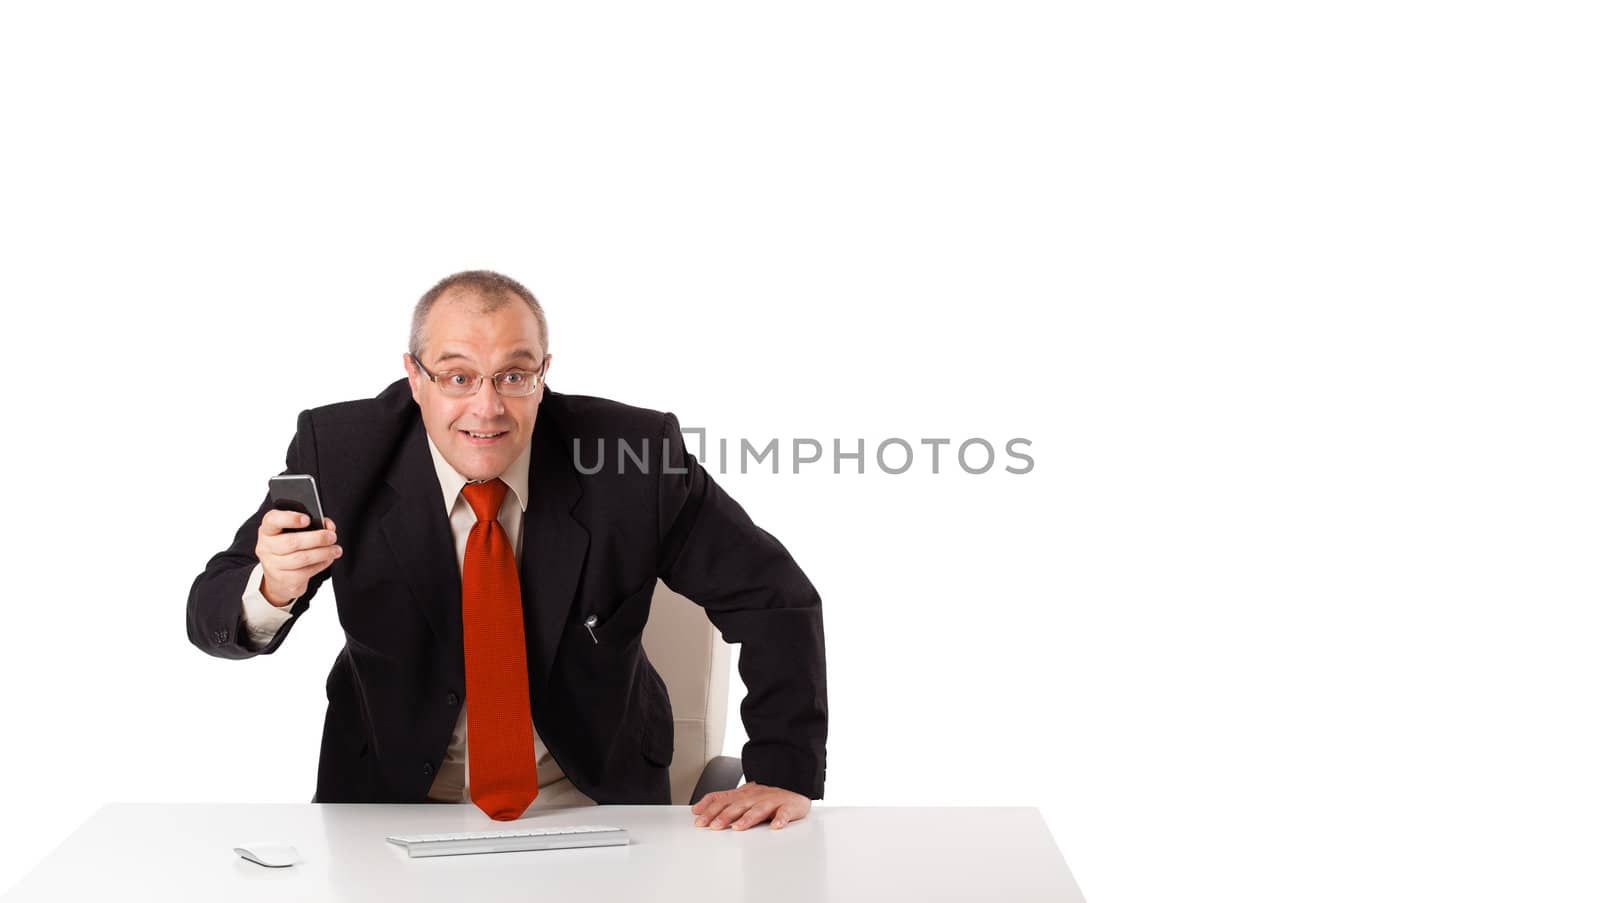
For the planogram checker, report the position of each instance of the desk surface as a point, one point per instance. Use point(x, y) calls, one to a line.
point(175, 852)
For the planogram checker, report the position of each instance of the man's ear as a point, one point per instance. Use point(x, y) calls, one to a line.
point(414, 376)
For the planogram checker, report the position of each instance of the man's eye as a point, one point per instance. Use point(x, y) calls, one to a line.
point(456, 379)
point(513, 377)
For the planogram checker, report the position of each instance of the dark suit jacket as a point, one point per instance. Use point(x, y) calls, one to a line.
point(592, 544)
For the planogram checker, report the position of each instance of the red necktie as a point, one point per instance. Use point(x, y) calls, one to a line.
point(500, 762)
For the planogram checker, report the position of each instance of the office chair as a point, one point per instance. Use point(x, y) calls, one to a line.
point(689, 654)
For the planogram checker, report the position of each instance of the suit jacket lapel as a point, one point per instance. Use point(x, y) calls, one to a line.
point(554, 544)
point(418, 531)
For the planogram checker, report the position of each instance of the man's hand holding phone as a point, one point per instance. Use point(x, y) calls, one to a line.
point(290, 560)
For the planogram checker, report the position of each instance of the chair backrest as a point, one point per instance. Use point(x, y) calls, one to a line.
point(692, 659)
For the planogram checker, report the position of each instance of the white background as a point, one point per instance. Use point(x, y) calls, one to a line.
point(1294, 302)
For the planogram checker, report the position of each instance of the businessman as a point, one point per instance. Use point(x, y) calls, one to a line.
point(493, 593)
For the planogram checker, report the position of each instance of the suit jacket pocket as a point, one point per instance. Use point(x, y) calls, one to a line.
point(623, 623)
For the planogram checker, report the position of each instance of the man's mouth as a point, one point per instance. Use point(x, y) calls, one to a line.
point(477, 438)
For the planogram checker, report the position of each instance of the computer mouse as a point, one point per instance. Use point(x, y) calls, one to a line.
point(269, 853)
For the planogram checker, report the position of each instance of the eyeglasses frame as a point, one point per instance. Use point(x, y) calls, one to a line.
point(494, 378)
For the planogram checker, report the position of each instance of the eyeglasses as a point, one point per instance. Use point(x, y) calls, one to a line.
point(461, 383)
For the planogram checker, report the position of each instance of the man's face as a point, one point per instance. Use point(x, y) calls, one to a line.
point(481, 434)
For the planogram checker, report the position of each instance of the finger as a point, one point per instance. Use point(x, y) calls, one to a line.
point(294, 561)
point(284, 543)
point(713, 798)
point(712, 804)
point(757, 813)
point(730, 812)
point(327, 522)
point(276, 521)
point(300, 577)
point(786, 813)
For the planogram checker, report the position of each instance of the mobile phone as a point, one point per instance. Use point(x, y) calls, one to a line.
point(296, 492)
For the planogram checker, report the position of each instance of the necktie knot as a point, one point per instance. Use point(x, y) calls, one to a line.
point(485, 498)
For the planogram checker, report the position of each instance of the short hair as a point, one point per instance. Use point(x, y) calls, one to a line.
point(494, 291)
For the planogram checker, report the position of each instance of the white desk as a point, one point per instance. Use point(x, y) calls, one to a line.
point(177, 852)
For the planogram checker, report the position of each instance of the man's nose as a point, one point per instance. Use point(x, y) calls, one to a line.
point(487, 403)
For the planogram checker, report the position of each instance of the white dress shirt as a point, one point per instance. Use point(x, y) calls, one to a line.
point(263, 619)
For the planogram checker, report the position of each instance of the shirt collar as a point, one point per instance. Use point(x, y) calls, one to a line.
point(450, 482)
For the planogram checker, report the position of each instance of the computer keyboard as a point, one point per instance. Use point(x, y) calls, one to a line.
point(554, 838)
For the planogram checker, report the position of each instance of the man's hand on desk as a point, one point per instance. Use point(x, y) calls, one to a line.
point(751, 805)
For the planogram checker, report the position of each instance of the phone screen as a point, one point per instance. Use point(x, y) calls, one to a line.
point(297, 492)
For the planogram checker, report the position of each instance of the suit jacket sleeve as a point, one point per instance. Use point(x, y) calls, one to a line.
point(216, 609)
point(756, 595)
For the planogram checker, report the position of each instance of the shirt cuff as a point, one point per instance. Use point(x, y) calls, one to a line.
point(261, 618)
